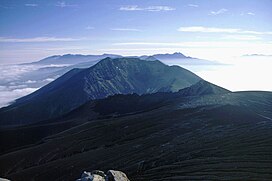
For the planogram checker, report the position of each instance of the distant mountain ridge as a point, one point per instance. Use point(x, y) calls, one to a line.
point(169, 55)
point(108, 77)
point(178, 59)
point(74, 58)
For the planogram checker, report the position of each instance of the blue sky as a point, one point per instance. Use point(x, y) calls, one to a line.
point(214, 29)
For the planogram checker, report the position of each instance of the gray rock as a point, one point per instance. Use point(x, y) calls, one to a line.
point(98, 175)
point(3, 179)
point(116, 176)
point(98, 172)
point(86, 176)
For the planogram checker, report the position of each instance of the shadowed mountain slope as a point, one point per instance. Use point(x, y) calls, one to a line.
point(108, 77)
point(16, 137)
point(202, 88)
point(207, 137)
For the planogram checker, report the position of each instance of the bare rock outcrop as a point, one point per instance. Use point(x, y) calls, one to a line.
point(3, 179)
point(97, 175)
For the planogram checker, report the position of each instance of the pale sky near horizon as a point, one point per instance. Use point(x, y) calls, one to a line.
point(215, 29)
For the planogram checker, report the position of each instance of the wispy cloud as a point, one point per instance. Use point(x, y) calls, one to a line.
point(220, 11)
point(89, 28)
point(159, 8)
point(149, 8)
point(125, 29)
point(202, 29)
point(241, 37)
point(250, 13)
point(193, 5)
point(31, 5)
point(256, 55)
point(197, 44)
point(63, 4)
point(207, 29)
point(130, 8)
point(37, 39)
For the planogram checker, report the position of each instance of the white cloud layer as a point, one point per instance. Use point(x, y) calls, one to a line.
point(7, 96)
point(199, 44)
point(37, 39)
point(241, 37)
point(13, 72)
point(202, 29)
point(222, 51)
point(13, 82)
point(248, 73)
point(149, 8)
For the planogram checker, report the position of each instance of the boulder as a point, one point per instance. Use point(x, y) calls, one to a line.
point(98, 175)
point(116, 176)
point(3, 179)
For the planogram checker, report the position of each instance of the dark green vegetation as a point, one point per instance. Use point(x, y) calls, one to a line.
point(108, 77)
point(162, 136)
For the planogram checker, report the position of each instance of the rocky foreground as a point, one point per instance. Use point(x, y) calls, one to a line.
point(98, 175)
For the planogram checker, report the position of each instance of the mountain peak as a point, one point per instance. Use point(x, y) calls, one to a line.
point(175, 55)
point(109, 76)
point(128, 60)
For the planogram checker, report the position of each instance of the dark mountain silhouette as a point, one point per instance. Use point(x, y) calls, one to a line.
point(166, 136)
point(202, 88)
point(94, 109)
point(152, 121)
point(108, 77)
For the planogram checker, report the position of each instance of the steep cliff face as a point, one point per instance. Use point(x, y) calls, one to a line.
point(108, 77)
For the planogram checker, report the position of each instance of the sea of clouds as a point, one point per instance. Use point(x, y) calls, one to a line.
point(19, 80)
